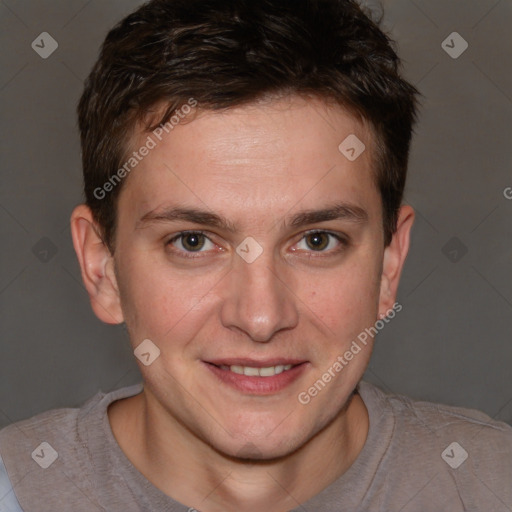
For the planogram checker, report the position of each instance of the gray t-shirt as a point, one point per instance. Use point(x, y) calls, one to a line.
point(418, 456)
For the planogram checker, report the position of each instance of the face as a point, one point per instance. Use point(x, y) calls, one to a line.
point(250, 251)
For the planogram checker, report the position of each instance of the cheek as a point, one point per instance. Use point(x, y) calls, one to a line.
point(157, 301)
point(346, 300)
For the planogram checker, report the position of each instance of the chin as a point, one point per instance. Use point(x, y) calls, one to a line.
point(254, 451)
point(271, 445)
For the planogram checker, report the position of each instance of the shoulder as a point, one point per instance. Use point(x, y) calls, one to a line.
point(55, 448)
point(440, 417)
point(36, 440)
point(41, 427)
point(435, 452)
point(55, 422)
point(436, 417)
point(31, 440)
point(450, 430)
point(22, 445)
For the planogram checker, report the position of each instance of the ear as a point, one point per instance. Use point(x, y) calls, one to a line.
point(97, 266)
point(394, 258)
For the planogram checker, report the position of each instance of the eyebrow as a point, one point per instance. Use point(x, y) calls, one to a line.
point(338, 211)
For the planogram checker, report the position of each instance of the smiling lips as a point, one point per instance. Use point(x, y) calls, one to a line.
point(254, 377)
point(252, 371)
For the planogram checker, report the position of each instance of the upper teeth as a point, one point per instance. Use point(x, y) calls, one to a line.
point(257, 372)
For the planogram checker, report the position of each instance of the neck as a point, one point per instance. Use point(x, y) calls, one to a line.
point(193, 473)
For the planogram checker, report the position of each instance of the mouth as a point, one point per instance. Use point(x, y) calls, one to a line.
point(261, 378)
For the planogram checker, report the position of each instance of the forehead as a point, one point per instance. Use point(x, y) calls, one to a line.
point(257, 157)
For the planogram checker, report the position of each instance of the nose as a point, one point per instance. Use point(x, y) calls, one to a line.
point(258, 300)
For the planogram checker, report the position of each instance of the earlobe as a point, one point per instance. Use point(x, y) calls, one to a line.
point(97, 266)
point(394, 259)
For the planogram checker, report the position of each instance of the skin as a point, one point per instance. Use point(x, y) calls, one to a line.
point(197, 439)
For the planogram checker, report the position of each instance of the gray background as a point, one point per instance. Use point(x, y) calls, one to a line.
point(451, 342)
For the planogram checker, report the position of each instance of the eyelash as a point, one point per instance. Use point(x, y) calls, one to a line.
point(343, 241)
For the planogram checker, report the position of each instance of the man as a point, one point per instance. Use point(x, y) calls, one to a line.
point(244, 164)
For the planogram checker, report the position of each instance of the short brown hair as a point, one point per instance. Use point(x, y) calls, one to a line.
point(227, 53)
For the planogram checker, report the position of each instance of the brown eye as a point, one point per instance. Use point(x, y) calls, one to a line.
point(317, 241)
point(322, 242)
point(193, 241)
